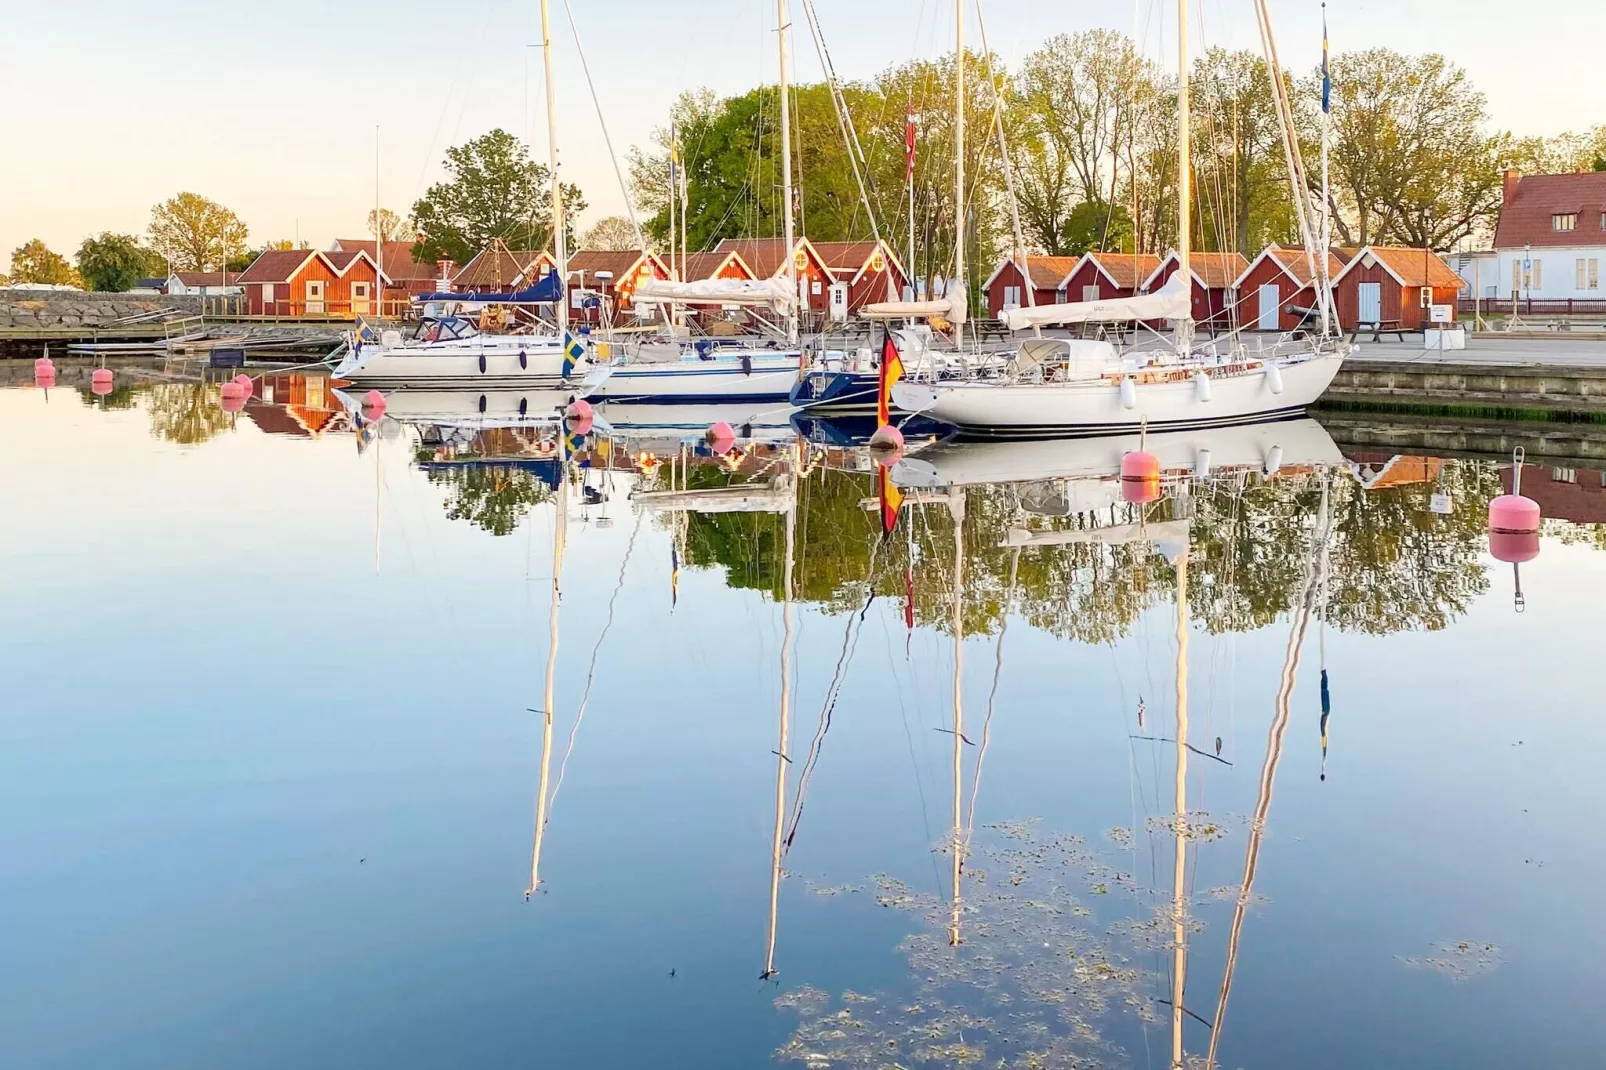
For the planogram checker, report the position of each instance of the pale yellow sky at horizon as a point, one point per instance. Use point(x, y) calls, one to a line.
point(273, 112)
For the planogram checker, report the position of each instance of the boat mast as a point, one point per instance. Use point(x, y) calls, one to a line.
point(784, 25)
point(781, 760)
point(1324, 253)
point(1184, 179)
point(560, 239)
point(959, 151)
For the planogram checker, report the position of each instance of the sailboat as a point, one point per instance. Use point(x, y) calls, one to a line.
point(1058, 385)
point(714, 370)
point(452, 351)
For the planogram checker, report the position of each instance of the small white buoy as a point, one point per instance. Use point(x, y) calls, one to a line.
point(1274, 460)
point(1201, 384)
point(1129, 393)
point(1201, 465)
point(1274, 377)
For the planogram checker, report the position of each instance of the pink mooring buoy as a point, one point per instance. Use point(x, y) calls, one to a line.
point(44, 366)
point(720, 437)
point(44, 380)
point(373, 405)
point(100, 381)
point(1514, 526)
point(247, 386)
point(578, 409)
point(1140, 466)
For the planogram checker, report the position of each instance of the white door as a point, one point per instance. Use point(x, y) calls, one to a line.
point(1270, 300)
point(839, 302)
point(359, 299)
point(1371, 299)
point(315, 296)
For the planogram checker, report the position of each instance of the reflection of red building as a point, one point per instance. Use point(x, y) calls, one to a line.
point(292, 403)
point(1577, 495)
point(1376, 471)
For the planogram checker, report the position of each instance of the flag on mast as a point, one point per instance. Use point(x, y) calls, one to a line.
point(909, 141)
point(1327, 81)
point(891, 372)
point(889, 497)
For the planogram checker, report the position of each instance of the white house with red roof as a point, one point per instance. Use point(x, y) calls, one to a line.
point(1550, 243)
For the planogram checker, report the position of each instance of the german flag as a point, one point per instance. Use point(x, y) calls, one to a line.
point(891, 372)
point(890, 497)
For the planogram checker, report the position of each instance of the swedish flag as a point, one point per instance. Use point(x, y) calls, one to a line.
point(365, 333)
point(573, 353)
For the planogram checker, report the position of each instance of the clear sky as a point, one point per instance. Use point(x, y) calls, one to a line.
point(271, 108)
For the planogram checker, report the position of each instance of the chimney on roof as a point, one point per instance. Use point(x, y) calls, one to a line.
point(1509, 179)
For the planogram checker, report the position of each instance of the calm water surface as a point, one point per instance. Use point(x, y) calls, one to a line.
point(271, 756)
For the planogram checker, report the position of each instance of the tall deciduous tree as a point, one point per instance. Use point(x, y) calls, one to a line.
point(391, 227)
point(1241, 192)
point(36, 262)
point(494, 190)
point(113, 263)
point(197, 234)
point(612, 232)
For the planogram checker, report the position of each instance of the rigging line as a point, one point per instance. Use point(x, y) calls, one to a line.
point(844, 118)
point(607, 139)
point(832, 692)
point(914, 762)
point(591, 673)
point(992, 696)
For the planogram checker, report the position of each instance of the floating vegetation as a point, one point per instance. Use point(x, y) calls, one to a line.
point(1460, 961)
point(1031, 983)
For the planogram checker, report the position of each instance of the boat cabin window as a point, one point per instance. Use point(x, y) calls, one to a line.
point(444, 329)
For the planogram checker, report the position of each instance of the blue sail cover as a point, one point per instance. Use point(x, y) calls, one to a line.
point(546, 291)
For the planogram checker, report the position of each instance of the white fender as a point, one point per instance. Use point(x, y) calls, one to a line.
point(1201, 383)
point(1274, 377)
point(1274, 460)
point(1129, 393)
point(1201, 464)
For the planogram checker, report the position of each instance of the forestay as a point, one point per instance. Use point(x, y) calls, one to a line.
point(1169, 302)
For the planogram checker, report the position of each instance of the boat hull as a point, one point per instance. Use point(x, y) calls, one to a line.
point(837, 392)
point(989, 409)
point(502, 364)
point(768, 378)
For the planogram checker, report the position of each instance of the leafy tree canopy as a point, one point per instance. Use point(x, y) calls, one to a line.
point(196, 234)
point(35, 261)
point(114, 263)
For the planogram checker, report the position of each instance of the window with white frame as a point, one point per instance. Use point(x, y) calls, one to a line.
point(1564, 221)
point(1012, 297)
point(1593, 282)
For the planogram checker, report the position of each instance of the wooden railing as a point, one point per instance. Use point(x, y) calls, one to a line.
point(1538, 307)
point(236, 306)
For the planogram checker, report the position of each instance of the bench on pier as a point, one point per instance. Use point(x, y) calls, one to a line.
point(1379, 328)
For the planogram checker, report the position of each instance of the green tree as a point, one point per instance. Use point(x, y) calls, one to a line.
point(1243, 199)
point(495, 498)
point(114, 263)
point(196, 234)
point(494, 191)
point(392, 227)
point(186, 413)
point(1096, 225)
point(35, 261)
point(612, 232)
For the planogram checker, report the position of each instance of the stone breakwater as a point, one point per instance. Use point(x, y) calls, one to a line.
point(47, 309)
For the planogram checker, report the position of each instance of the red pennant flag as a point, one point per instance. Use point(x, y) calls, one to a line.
point(891, 372)
point(909, 140)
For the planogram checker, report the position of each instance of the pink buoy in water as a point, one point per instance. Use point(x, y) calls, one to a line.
point(247, 387)
point(720, 437)
point(1514, 547)
point(373, 405)
point(1140, 466)
point(44, 366)
point(44, 380)
point(1512, 514)
point(886, 445)
point(100, 381)
point(233, 402)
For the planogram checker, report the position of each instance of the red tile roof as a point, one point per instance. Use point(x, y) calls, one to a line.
point(277, 265)
point(205, 278)
point(694, 267)
point(1412, 267)
point(1128, 270)
point(1215, 271)
point(766, 256)
point(497, 267)
point(1526, 218)
point(616, 261)
point(399, 263)
point(1295, 262)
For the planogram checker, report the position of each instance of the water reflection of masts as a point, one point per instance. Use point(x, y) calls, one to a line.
point(1179, 918)
point(956, 506)
point(1315, 581)
point(781, 760)
point(560, 531)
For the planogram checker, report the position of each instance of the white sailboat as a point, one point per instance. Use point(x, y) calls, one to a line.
point(1057, 386)
point(452, 351)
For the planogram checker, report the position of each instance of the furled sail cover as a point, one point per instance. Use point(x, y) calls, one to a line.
point(1169, 302)
point(951, 307)
point(773, 292)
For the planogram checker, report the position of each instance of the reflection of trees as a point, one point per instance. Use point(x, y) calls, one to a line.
point(1396, 565)
point(186, 413)
point(123, 396)
point(494, 497)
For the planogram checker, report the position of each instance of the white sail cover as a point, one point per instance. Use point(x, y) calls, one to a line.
point(951, 307)
point(1170, 302)
point(772, 292)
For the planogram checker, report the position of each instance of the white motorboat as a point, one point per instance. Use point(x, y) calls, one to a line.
point(705, 371)
point(751, 421)
point(452, 352)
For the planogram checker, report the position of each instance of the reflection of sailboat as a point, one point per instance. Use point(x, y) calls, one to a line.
point(781, 759)
point(1267, 447)
point(478, 409)
point(560, 531)
point(1315, 579)
point(751, 420)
